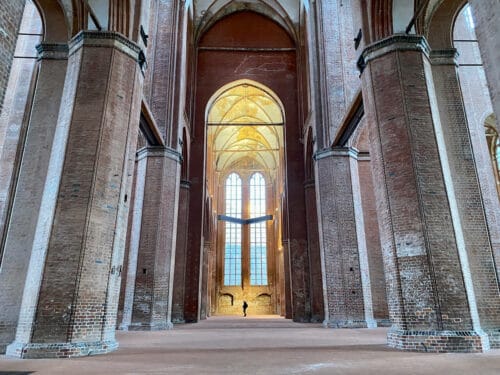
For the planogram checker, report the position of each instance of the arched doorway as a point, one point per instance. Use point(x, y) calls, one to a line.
point(245, 180)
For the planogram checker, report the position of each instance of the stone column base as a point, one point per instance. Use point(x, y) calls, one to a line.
point(384, 323)
point(494, 336)
point(148, 326)
point(438, 341)
point(350, 323)
point(60, 350)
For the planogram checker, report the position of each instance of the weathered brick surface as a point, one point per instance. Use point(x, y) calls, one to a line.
point(156, 253)
point(475, 238)
point(180, 254)
point(426, 289)
point(78, 294)
point(29, 188)
point(10, 18)
point(338, 233)
point(317, 298)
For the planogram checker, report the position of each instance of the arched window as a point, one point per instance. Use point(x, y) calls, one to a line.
point(232, 253)
point(258, 237)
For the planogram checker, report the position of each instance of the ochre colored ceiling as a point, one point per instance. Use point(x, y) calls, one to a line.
point(245, 121)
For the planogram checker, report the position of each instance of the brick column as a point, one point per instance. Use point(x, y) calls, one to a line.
point(180, 254)
point(53, 59)
point(207, 252)
point(316, 279)
point(478, 235)
point(372, 238)
point(486, 14)
point(152, 306)
point(428, 294)
point(347, 287)
point(69, 302)
point(135, 236)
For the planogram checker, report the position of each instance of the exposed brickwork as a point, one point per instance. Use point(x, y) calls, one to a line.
point(154, 276)
point(76, 304)
point(29, 188)
point(11, 13)
point(426, 288)
point(180, 255)
point(344, 289)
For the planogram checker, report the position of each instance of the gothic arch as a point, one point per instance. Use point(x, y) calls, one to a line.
point(55, 23)
point(440, 22)
point(222, 8)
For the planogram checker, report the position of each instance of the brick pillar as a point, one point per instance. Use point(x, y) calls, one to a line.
point(486, 15)
point(207, 252)
point(29, 188)
point(373, 249)
point(316, 280)
point(152, 306)
point(345, 268)
point(69, 302)
point(478, 235)
point(428, 295)
point(180, 254)
point(135, 236)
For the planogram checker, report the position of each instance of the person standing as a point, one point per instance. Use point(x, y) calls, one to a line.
point(245, 306)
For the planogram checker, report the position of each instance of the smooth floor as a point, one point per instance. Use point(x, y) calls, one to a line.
point(258, 345)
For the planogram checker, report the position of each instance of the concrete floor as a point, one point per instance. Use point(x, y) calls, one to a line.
point(258, 345)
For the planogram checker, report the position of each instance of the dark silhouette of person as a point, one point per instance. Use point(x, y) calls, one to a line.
point(245, 306)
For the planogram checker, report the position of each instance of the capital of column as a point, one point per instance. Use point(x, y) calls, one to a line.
point(159, 152)
point(447, 56)
point(105, 39)
point(52, 51)
point(396, 42)
point(336, 152)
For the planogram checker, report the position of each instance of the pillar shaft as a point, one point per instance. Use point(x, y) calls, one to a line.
point(316, 280)
point(347, 294)
point(180, 254)
point(152, 305)
point(477, 241)
point(427, 294)
point(134, 240)
point(28, 194)
point(69, 305)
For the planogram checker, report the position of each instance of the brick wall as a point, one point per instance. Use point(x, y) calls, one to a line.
point(10, 18)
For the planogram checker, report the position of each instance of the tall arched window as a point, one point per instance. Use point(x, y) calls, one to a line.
point(232, 254)
point(258, 237)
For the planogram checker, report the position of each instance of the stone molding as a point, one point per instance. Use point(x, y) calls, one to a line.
point(52, 51)
point(336, 152)
point(396, 42)
point(105, 39)
point(159, 151)
point(447, 56)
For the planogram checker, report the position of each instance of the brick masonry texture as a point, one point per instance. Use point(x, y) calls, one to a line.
point(10, 18)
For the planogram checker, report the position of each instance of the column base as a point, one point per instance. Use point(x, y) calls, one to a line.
point(438, 341)
point(164, 326)
point(369, 323)
point(494, 336)
point(384, 323)
point(60, 350)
